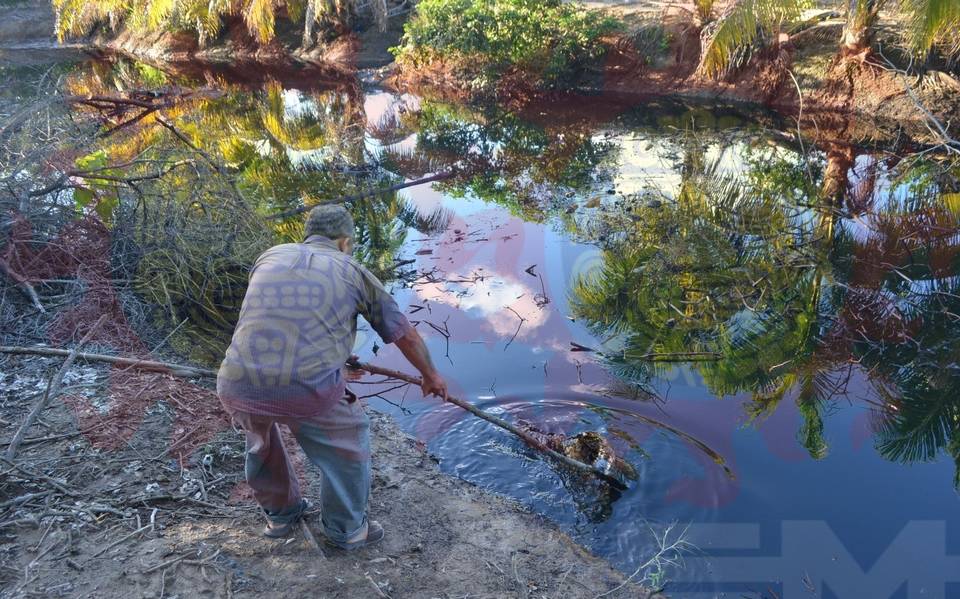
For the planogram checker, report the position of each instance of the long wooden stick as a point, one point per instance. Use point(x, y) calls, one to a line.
point(52, 390)
point(525, 436)
point(192, 372)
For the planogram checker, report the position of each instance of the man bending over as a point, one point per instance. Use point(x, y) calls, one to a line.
point(285, 365)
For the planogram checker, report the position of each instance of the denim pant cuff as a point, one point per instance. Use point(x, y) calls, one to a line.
point(287, 515)
point(341, 537)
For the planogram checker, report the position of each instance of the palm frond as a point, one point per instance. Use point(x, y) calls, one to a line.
point(810, 403)
point(740, 25)
point(390, 128)
point(411, 163)
point(260, 18)
point(765, 400)
point(158, 11)
point(930, 22)
point(431, 223)
point(204, 16)
point(920, 424)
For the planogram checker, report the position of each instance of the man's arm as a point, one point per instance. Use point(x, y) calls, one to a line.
point(415, 350)
point(386, 318)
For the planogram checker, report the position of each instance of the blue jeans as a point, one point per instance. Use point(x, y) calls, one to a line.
point(337, 441)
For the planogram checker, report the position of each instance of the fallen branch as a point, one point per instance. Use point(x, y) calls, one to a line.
point(684, 356)
point(37, 476)
point(376, 586)
point(519, 324)
point(526, 437)
point(122, 539)
point(52, 390)
point(936, 128)
point(238, 197)
point(176, 560)
point(24, 286)
point(133, 363)
point(311, 540)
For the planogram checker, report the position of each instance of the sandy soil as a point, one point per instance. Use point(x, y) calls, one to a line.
point(78, 521)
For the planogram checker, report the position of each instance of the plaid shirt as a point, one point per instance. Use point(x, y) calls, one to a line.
point(297, 326)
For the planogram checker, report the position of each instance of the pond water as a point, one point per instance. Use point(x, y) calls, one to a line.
point(767, 330)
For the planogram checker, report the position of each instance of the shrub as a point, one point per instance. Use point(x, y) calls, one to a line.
point(650, 39)
point(546, 38)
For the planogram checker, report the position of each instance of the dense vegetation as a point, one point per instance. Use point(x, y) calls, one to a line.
point(232, 159)
point(205, 19)
point(549, 38)
point(548, 42)
point(553, 41)
point(755, 271)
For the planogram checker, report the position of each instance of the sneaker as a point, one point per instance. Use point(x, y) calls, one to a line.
point(374, 535)
point(277, 530)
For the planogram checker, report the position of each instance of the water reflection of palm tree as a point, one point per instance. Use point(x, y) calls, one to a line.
point(499, 156)
point(909, 287)
point(733, 266)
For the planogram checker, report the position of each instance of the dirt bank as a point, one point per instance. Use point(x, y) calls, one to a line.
point(857, 101)
point(83, 515)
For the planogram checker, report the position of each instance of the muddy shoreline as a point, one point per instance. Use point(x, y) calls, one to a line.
point(73, 499)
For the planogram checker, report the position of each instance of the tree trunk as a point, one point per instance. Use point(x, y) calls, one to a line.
point(308, 22)
point(859, 30)
point(345, 12)
point(835, 177)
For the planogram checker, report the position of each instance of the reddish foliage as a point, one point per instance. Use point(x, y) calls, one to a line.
point(81, 250)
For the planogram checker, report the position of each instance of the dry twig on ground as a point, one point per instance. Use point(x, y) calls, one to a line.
point(52, 390)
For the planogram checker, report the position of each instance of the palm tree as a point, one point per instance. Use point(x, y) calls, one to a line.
point(205, 17)
point(668, 286)
point(76, 17)
point(859, 29)
point(929, 23)
point(744, 23)
point(260, 17)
